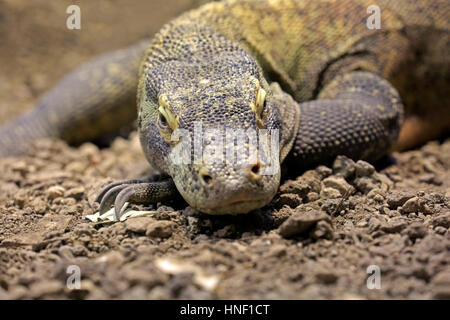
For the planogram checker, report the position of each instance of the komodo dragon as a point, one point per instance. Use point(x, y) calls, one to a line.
point(313, 71)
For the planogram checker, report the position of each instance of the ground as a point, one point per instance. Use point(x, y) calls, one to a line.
point(315, 240)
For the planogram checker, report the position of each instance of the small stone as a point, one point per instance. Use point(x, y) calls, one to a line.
point(394, 225)
point(160, 229)
point(76, 193)
point(442, 220)
point(364, 169)
point(323, 230)
point(312, 196)
point(412, 205)
point(297, 187)
point(65, 252)
point(344, 166)
point(138, 224)
point(440, 230)
point(337, 183)
point(289, 199)
point(330, 193)
point(365, 184)
point(376, 194)
point(326, 276)
point(374, 224)
point(398, 198)
point(301, 222)
point(363, 223)
point(331, 206)
point(55, 192)
point(378, 198)
point(324, 171)
point(430, 178)
point(416, 230)
point(39, 205)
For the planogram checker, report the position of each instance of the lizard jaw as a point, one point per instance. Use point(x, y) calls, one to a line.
point(235, 207)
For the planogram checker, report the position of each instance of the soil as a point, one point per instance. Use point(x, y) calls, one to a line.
point(315, 240)
point(322, 236)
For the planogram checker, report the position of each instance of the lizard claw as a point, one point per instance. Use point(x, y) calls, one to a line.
point(108, 199)
point(139, 191)
point(110, 186)
point(124, 195)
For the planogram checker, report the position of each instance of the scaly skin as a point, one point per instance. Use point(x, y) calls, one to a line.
point(310, 69)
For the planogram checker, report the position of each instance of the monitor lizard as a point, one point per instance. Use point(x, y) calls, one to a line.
point(311, 71)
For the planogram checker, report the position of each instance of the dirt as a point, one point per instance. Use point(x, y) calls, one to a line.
point(316, 240)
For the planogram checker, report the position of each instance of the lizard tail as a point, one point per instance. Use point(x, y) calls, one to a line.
point(94, 100)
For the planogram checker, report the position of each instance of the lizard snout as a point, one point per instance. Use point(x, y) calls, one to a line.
point(250, 172)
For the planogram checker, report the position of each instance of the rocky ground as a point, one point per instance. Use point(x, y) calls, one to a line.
point(315, 240)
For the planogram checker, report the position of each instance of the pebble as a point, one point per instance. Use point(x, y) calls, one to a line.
point(344, 166)
point(337, 183)
point(394, 225)
point(416, 230)
point(138, 224)
point(289, 199)
point(55, 192)
point(440, 230)
point(312, 196)
point(39, 205)
point(364, 169)
point(330, 193)
point(398, 198)
point(376, 194)
point(297, 187)
point(301, 222)
point(365, 184)
point(430, 178)
point(374, 224)
point(324, 171)
point(442, 220)
point(416, 204)
point(76, 193)
point(160, 229)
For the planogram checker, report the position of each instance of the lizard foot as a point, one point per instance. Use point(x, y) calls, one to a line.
point(139, 191)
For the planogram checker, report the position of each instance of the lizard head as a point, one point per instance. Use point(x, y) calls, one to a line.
point(209, 123)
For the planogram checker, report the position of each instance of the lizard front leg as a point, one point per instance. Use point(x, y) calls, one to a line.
point(358, 114)
point(149, 190)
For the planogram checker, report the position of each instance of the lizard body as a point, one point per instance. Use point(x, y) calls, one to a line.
point(312, 70)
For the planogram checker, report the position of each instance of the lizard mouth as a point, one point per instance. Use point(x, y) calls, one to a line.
point(234, 206)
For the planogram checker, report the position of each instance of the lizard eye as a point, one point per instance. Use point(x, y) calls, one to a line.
point(260, 101)
point(259, 105)
point(163, 121)
point(167, 121)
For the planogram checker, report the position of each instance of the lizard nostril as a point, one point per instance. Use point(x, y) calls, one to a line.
point(255, 168)
point(255, 172)
point(207, 179)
